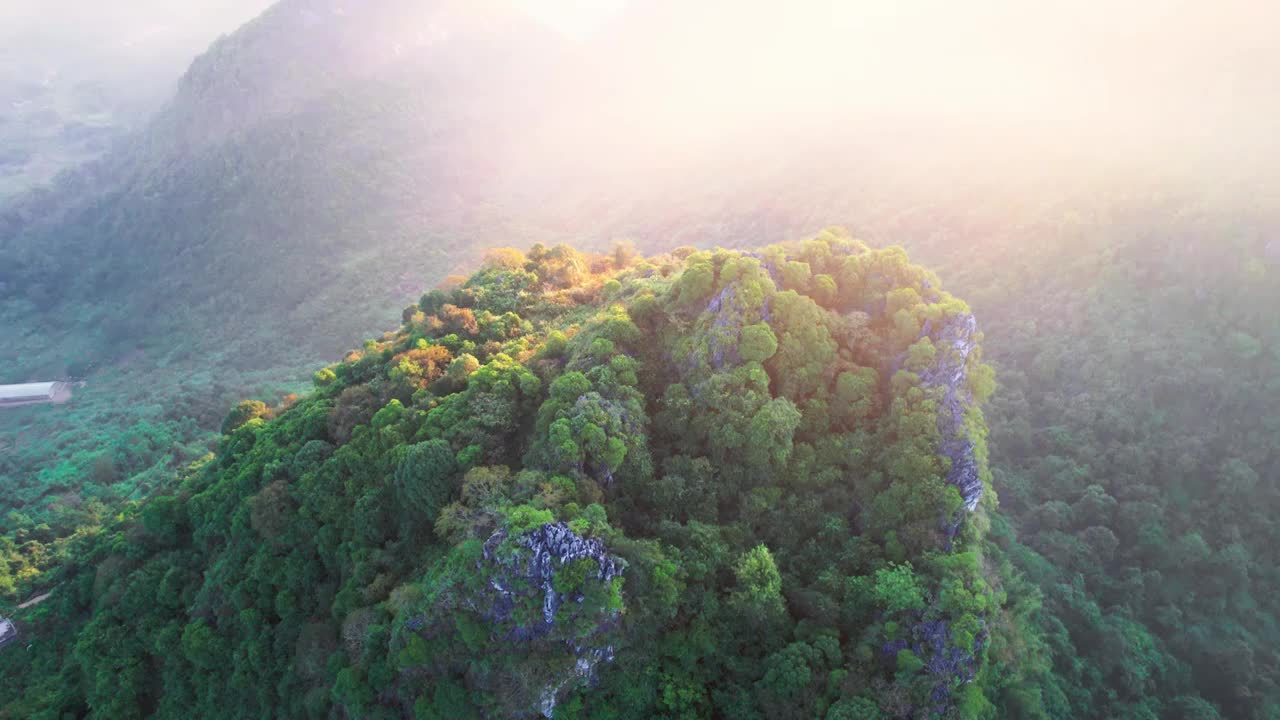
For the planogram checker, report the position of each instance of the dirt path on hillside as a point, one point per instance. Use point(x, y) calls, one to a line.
point(34, 601)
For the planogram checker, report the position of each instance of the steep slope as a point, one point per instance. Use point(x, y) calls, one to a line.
point(288, 200)
point(707, 483)
point(267, 217)
point(310, 142)
point(1133, 437)
point(1134, 433)
point(76, 76)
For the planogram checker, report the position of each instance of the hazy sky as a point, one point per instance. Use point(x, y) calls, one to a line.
point(1163, 77)
point(1143, 77)
point(128, 31)
point(1181, 66)
point(576, 18)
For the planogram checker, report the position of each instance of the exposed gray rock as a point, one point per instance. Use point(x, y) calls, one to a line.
point(728, 312)
point(554, 545)
point(731, 315)
point(584, 670)
point(955, 340)
point(768, 266)
point(532, 569)
point(619, 421)
point(947, 663)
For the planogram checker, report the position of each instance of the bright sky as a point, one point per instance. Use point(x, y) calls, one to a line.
point(577, 18)
point(1159, 78)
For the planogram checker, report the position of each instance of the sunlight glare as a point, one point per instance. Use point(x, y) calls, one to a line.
point(576, 18)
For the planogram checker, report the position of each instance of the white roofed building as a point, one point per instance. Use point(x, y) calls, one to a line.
point(31, 393)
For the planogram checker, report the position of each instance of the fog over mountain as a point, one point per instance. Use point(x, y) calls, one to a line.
point(76, 75)
point(652, 359)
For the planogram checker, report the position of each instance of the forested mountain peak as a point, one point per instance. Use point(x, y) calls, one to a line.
point(792, 441)
point(708, 482)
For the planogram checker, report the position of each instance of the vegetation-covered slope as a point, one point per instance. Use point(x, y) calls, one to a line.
point(588, 486)
point(1130, 320)
point(1134, 433)
point(76, 76)
point(314, 171)
point(1135, 441)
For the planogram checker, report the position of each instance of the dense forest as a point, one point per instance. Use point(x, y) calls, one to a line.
point(1133, 536)
point(1133, 434)
point(195, 226)
point(1136, 451)
point(572, 470)
point(742, 482)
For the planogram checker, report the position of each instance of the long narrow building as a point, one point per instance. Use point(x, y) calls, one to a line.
point(33, 393)
point(8, 631)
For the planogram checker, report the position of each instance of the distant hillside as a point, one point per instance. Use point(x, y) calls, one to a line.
point(77, 76)
point(304, 163)
point(314, 172)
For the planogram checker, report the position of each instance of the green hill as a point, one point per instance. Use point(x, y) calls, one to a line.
point(314, 171)
point(320, 167)
point(718, 483)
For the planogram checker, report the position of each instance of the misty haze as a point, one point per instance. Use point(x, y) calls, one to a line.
point(604, 359)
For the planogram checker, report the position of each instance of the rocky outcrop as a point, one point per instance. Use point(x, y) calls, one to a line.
point(528, 565)
point(583, 671)
point(730, 311)
point(722, 336)
point(955, 341)
point(947, 663)
point(616, 419)
point(550, 547)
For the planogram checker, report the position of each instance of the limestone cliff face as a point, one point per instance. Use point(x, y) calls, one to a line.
point(955, 341)
point(550, 548)
point(949, 662)
point(8, 631)
point(727, 309)
point(571, 578)
point(546, 598)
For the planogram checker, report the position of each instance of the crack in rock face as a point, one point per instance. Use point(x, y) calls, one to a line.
point(955, 341)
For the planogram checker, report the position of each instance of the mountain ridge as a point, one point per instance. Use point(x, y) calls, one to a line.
point(500, 440)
